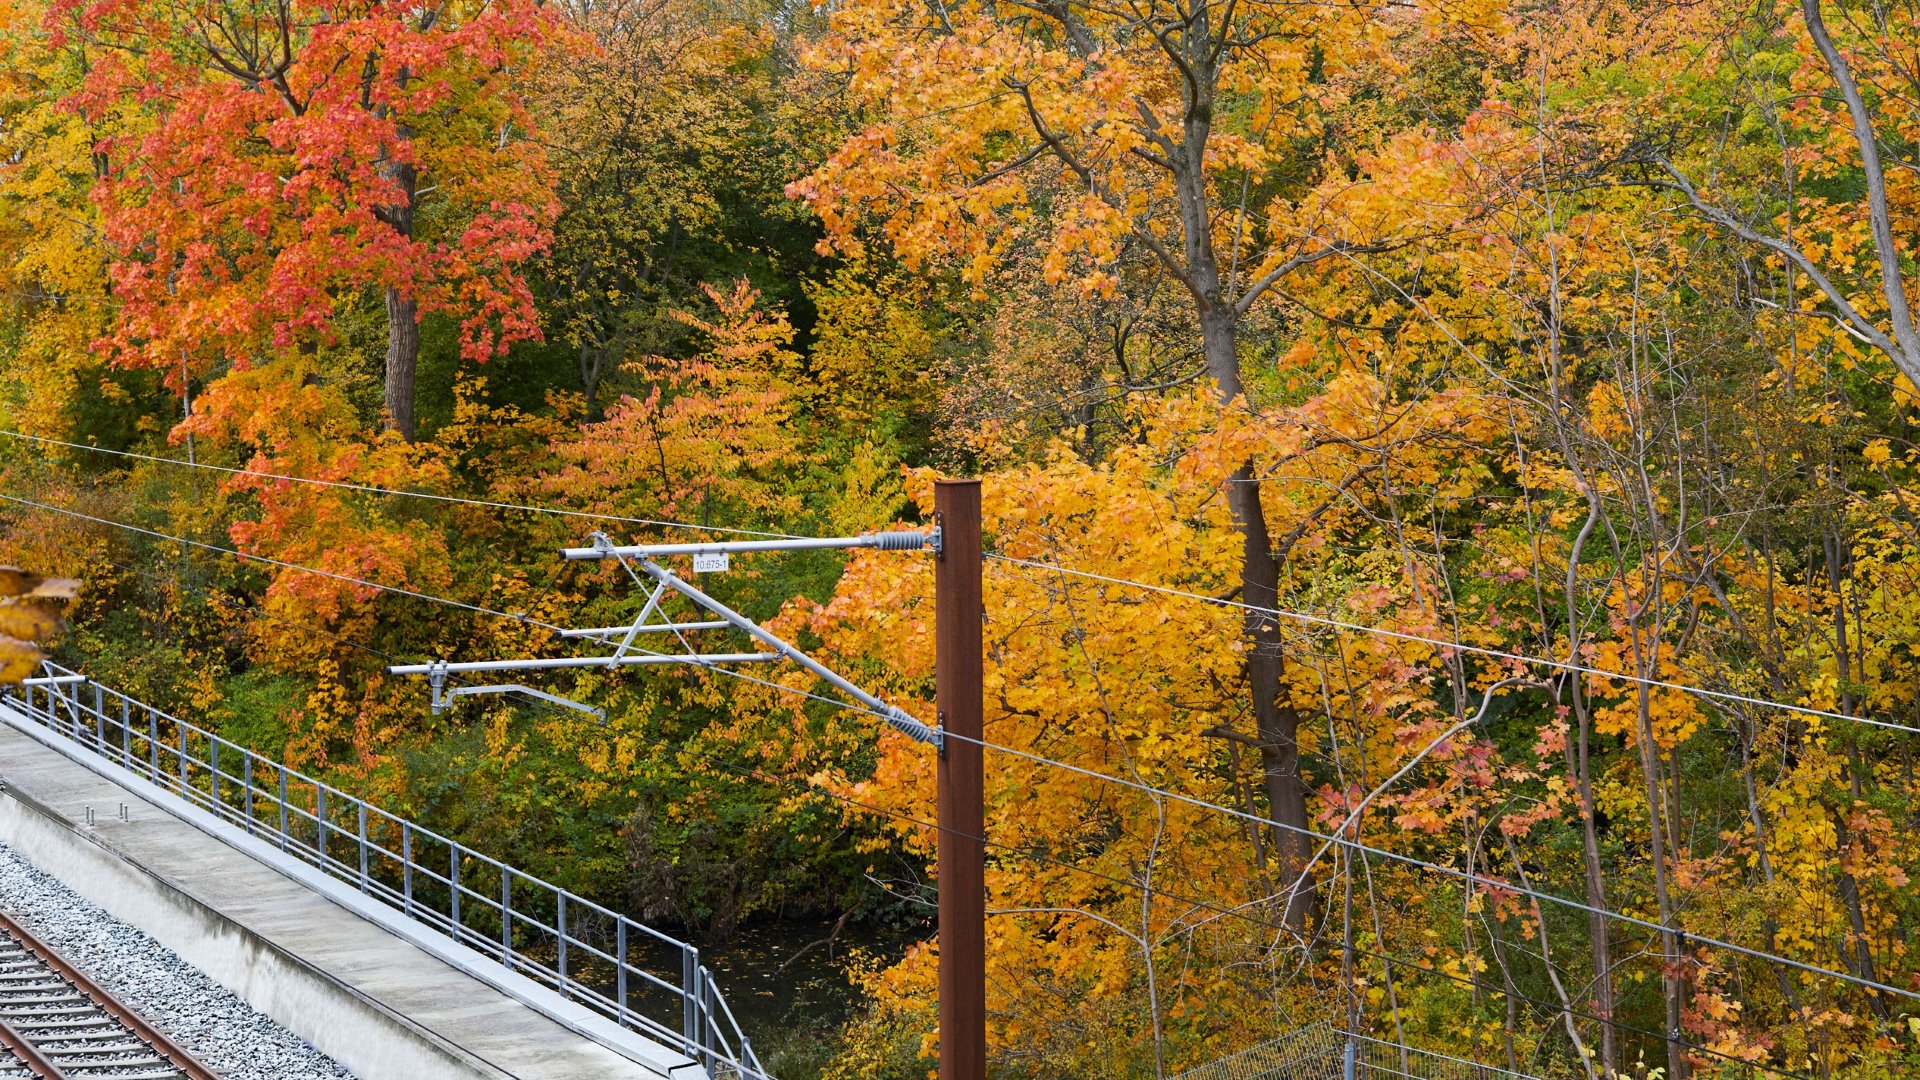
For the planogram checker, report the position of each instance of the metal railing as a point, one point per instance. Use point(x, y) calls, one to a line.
point(585, 952)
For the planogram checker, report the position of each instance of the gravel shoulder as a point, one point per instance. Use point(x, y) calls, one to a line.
point(224, 1032)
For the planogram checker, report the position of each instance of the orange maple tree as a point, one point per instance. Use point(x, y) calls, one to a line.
point(262, 165)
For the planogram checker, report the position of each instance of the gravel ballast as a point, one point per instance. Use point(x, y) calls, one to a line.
point(210, 1023)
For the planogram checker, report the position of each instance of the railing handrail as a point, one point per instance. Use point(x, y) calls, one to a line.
point(709, 1032)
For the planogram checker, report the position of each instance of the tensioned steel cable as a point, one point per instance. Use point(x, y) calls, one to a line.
point(236, 605)
point(373, 490)
point(399, 591)
point(1298, 616)
point(244, 557)
point(1354, 845)
point(1482, 650)
point(803, 785)
point(1463, 875)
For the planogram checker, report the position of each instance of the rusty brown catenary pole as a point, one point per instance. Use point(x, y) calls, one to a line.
point(962, 852)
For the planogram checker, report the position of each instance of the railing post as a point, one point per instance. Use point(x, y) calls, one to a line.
point(186, 779)
point(560, 926)
point(99, 718)
point(709, 1025)
point(506, 915)
point(620, 966)
point(246, 787)
point(126, 731)
point(363, 847)
point(153, 742)
point(320, 823)
point(453, 881)
point(690, 996)
point(283, 805)
point(406, 865)
point(1349, 1060)
point(213, 773)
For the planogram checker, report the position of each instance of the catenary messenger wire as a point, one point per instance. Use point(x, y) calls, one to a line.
point(803, 785)
point(1354, 845)
point(1298, 616)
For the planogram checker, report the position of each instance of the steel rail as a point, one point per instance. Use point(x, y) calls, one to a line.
point(135, 1024)
point(28, 1055)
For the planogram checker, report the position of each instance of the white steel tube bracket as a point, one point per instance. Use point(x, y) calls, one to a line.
point(899, 718)
point(663, 581)
point(516, 688)
point(443, 695)
point(895, 540)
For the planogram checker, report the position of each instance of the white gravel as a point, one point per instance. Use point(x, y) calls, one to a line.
point(225, 1033)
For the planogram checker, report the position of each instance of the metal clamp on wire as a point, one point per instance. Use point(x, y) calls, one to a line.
point(911, 727)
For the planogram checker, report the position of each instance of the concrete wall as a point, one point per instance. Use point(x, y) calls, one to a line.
point(364, 1037)
point(390, 998)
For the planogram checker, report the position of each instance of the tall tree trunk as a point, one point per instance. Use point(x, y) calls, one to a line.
point(1857, 954)
point(1276, 724)
point(403, 311)
point(1600, 940)
point(403, 356)
point(593, 357)
point(1673, 974)
point(1580, 764)
point(1769, 922)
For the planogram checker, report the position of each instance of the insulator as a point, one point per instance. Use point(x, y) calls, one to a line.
point(900, 541)
point(913, 729)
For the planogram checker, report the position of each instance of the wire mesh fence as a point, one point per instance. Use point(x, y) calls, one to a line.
point(637, 976)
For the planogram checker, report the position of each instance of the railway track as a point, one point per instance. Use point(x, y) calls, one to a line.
point(56, 1024)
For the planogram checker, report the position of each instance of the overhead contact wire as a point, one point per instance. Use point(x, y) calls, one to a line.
point(1297, 616)
point(806, 786)
point(1353, 845)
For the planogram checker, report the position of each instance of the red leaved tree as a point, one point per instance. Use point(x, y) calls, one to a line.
point(265, 163)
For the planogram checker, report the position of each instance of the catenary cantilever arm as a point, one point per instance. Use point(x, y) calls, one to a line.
point(882, 541)
point(892, 714)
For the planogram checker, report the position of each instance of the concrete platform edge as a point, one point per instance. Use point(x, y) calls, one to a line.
point(374, 1042)
point(571, 1015)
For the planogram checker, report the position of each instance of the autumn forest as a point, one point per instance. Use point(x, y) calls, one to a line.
point(1451, 478)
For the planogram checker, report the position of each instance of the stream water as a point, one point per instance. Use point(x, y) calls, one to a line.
point(781, 978)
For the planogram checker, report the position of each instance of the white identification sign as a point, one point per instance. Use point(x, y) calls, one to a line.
point(710, 563)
